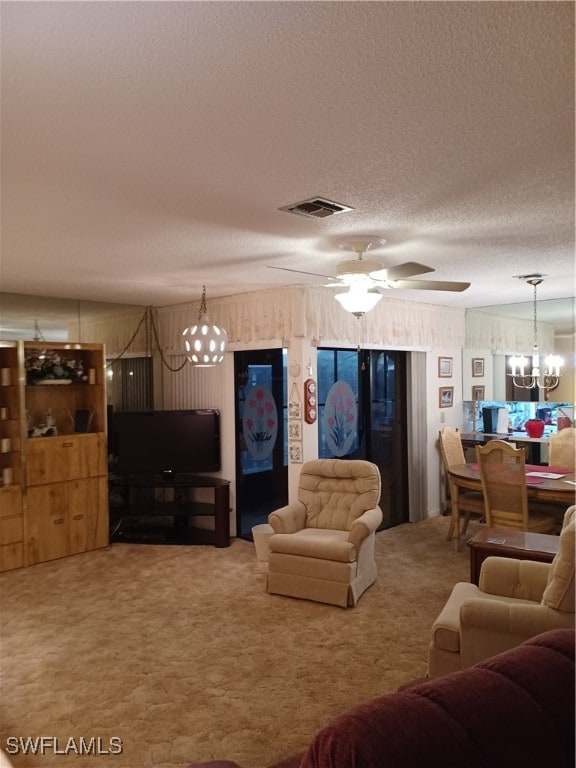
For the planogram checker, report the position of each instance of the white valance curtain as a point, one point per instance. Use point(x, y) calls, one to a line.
point(296, 312)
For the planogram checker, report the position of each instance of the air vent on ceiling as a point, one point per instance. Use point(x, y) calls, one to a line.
point(316, 208)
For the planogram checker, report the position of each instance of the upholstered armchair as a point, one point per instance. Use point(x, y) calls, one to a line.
point(322, 547)
point(515, 600)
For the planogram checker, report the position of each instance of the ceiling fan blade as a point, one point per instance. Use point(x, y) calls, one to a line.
point(300, 272)
point(431, 285)
point(407, 270)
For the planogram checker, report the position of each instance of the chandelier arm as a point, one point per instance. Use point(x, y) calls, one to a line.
point(528, 382)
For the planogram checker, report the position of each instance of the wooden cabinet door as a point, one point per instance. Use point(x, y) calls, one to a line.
point(52, 459)
point(92, 455)
point(66, 457)
point(88, 510)
point(98, 514)
point(47, 509)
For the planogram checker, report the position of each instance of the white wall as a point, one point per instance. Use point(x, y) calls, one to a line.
point(440, 417)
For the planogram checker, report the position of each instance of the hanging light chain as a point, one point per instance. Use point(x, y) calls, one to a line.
point(203, 307)
point(535, 283)
point(151, 334)
point(546, 378)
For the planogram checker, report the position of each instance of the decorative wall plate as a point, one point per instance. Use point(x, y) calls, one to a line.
point(310, 401)
point(294, 370)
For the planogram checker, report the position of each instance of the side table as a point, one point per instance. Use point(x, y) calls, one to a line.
point(508, 542)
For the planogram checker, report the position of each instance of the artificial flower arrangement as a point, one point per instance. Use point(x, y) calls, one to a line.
point(51, 366)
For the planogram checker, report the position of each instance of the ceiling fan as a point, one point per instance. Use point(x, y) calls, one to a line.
point(371, 275)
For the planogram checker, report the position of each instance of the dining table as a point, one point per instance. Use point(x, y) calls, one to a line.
point(560, 491)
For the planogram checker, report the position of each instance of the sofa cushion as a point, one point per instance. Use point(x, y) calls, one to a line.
point(315, 542)
point(515, 709)
point(336, 492)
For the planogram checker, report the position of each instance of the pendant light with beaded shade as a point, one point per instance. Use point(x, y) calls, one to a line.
point(205, 342)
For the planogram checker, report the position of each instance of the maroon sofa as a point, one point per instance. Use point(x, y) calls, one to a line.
point(515, 709)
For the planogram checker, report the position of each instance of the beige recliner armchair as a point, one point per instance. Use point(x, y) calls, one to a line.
point(322, 547)
point(516, 600)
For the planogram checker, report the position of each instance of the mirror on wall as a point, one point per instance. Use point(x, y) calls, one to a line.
point(19, 315)
point(558, 314)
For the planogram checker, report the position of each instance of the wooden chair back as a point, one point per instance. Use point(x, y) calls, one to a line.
point(451, 448)
point(502, 471)
point(470, 502)
point(562, 448)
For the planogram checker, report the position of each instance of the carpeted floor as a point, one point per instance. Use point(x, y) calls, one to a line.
point(181, 654)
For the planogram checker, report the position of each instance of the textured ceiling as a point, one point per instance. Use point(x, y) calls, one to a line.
point(147, 147)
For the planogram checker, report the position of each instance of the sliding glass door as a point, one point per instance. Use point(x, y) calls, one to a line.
point(362, 415)
point(261, 445)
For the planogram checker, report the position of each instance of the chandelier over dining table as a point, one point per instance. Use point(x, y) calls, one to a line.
point(529, 374)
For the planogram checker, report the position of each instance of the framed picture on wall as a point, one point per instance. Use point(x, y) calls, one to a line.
point(294, 410)
point(477, 367)
point(295, 453)
point(445, 367)
point(295, 430)
point(478, 392)
point(446, 397)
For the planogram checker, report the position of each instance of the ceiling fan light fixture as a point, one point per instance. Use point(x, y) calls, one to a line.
point(357, 300)
point(205, 342)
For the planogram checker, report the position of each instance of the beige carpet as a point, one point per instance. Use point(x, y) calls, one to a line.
point(179, 651)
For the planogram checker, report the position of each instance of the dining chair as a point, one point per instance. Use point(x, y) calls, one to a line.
point(469, 502)
point(503, 476)
point(562, 448)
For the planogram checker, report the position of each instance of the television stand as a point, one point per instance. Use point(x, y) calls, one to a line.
point(157, 508)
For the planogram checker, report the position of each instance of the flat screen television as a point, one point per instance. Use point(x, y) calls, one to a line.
point(185, 441)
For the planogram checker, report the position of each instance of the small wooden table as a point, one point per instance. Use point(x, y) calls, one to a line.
point(507, 542)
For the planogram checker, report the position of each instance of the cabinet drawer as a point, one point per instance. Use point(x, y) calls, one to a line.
point(10, 501)
point(11, 530)
point(11, 556)
point(67, 457)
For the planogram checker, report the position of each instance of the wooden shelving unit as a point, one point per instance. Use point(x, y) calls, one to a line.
point(58, 484)
point(11, 463)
